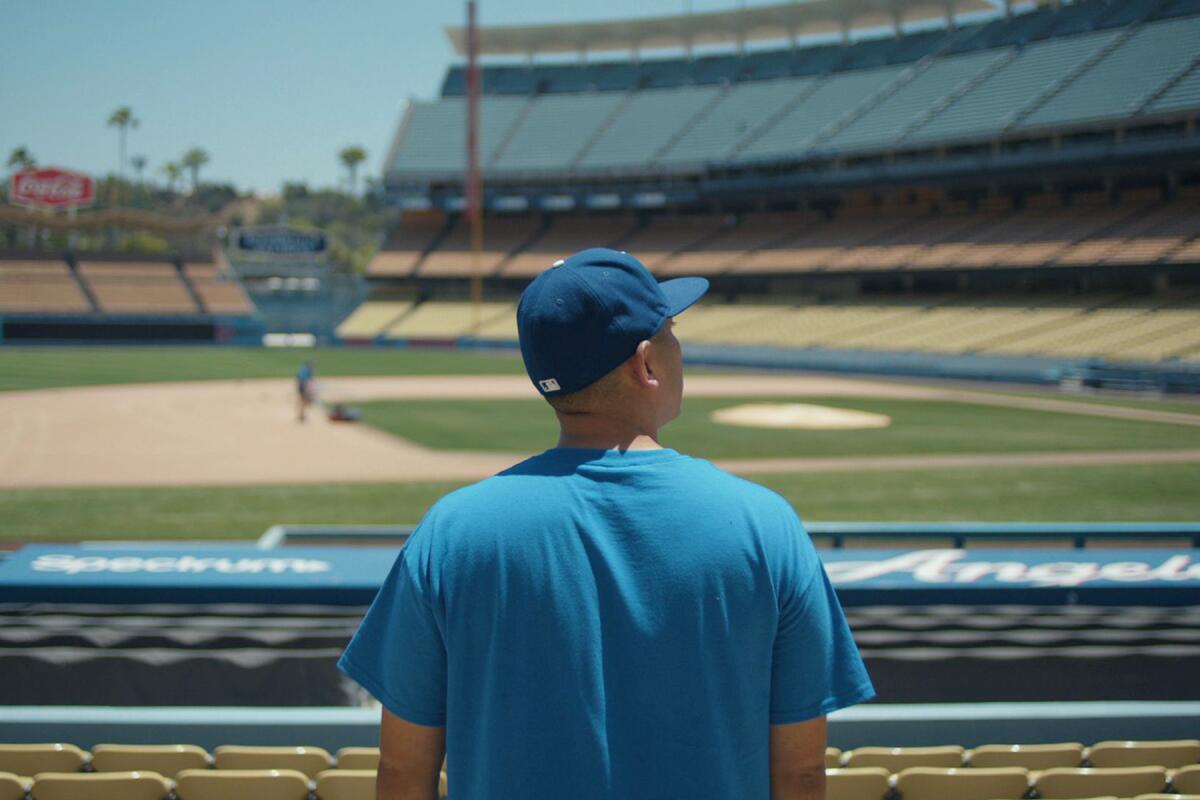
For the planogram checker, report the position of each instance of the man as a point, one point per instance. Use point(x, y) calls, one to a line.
point(609, 619)
point(304, 389)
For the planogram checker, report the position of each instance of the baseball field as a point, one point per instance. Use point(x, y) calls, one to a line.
point(203, 443)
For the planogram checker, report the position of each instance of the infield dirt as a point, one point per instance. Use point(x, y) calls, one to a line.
point(245, 432)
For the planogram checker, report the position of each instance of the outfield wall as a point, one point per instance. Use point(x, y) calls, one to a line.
point(120, 329)
point(1169, 377)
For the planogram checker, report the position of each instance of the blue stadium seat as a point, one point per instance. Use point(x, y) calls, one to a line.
point(1177, 8)
point(869, 53)
point(509, 80)
point(916, 46)
point(1128, 12)
point(572, 78)
point(455, 82)
point(816, 60)
point(616, 76)
point(1075, 19)
point(716, 69)
point(766, 65)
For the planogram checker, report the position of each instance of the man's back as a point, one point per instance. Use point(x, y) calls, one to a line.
point(603, 624)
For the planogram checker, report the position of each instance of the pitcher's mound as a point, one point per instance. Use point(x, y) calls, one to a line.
point(798, 415)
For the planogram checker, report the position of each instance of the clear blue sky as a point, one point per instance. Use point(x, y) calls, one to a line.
point(272, 89)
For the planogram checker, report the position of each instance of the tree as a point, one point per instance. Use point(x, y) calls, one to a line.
point(122, 119)
point(173, 172)
point(20, 158)
point(193, 160)
point(351, 157)
point(138, 163)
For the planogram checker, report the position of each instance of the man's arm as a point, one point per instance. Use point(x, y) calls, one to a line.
point(410, 759)
point(798, 760)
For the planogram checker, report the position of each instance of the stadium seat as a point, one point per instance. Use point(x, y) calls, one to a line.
point(241, 784)
point(358, 758)
point(1168, 754)
point(165, 759)
point(867, 783)
point(13, 787)
point(833, 757)
point(1062, 783)
point(931, 783)
point(100, 786)
point(895, 759)
point(1187, 779)
point(346, 784)
point(1029, 756)
point(308, 760)
point(30, 759)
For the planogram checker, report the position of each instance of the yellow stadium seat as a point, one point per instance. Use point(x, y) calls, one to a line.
point(13, 787)
point(895, 759)
point(1029, 756)
point(833, 757)
point(865, 783)
point(346, 784)
point(1063, 783)
point(358, 758)
point(165, 759)
point(30, 759)
point(962, 783)
point(309, 760)
point(100, 786)
point(1170, 754)
point(1187, 779)
point(241, 784)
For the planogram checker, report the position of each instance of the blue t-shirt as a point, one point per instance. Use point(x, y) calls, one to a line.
point(605, 624)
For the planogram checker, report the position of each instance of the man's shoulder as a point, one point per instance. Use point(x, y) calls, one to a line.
point(714, 478)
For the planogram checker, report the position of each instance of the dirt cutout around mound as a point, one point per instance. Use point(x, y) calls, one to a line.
point(245, 432)
point(798, 416)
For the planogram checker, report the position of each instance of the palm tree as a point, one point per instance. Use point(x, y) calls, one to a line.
point(173, 172)
point(20, 158)
point(194, 159)
point(351, 157)
point(122, 119)
point(138, 163)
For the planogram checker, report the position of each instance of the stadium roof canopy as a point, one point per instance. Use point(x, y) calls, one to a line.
point(738, 26)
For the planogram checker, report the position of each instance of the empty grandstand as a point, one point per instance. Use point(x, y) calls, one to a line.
point(1017, 183)
point(118, 297)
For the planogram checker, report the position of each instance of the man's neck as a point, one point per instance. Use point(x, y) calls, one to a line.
point(589, 432)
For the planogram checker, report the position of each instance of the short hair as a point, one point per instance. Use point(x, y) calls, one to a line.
point(591, 397)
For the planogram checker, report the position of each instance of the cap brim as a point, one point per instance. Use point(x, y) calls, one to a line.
point(682, 293)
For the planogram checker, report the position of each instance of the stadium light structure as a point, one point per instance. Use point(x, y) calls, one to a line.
point(474, 181)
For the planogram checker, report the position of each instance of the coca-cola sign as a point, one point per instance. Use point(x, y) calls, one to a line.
point(48, 186)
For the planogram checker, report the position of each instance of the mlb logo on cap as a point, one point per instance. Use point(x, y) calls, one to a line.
point(549, 385)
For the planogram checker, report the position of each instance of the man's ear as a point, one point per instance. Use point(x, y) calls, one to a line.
point(643, 371)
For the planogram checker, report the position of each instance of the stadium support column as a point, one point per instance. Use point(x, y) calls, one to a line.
point(473, 182)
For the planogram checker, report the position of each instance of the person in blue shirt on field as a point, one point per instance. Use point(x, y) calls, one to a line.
point(610, 618)
point(305, 389)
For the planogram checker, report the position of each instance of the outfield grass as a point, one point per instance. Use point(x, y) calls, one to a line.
point(1147, 493)
point(1178, 405)
point(918, 427)
point(51, 367)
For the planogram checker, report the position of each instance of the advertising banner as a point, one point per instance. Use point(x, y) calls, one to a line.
point(50, 187)
point(352, 575)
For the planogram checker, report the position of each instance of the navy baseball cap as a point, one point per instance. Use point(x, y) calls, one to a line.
point(583, 317)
